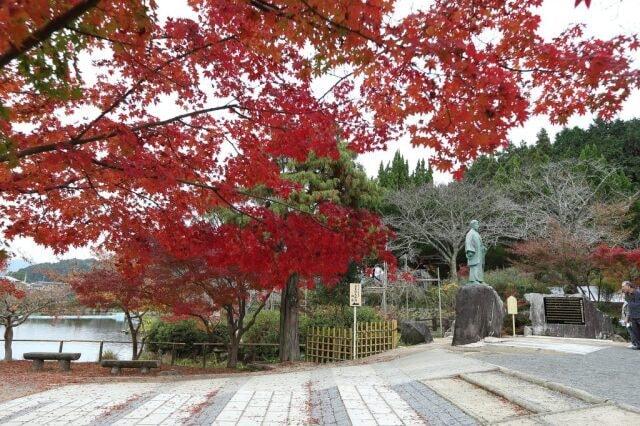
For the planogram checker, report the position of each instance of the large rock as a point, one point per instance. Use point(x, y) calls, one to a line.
point(479, 314)
point(415, 332)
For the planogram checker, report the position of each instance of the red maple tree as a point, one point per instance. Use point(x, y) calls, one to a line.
point(617, 263)
point(240, 84)
point(106, 286)
point(210, 268)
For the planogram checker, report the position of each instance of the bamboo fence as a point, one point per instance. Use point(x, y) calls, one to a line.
point(329, 344)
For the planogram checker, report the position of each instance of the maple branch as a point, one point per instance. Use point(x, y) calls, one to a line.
point(138, 83)
point(97, 36)
point(63, 185)
point(40, 149)
point(333, 86)
point(43, 33)
point(527, 70)
point(339, 25)
point(262, 304)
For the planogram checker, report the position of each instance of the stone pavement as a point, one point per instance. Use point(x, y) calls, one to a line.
point(430, 384)
point(610, 371)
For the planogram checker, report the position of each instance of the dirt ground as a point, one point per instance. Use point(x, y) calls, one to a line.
point(17, 379)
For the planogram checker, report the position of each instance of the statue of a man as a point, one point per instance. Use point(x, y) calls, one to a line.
point(475, 251)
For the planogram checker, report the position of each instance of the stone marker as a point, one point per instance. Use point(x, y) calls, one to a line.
point(595, 324)
point(479, 314)
point(415, 332)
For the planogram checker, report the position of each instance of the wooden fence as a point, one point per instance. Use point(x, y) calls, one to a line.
point(329, 344)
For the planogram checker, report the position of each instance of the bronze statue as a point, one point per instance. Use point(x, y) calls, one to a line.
point(475, 251)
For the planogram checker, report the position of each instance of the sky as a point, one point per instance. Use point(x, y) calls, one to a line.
point(604, 19)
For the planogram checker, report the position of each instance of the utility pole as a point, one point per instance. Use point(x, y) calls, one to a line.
point(385, 279)
point(406, 289)
point(440, 304)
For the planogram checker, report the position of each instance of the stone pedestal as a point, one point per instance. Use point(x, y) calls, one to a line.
point(479, 314)
point(415, 332)
point(37, 364)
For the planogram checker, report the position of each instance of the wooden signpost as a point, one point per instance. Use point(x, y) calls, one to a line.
point(355, 300)
point(512, 309)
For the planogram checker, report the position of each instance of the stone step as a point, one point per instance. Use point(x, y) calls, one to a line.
point(476, 401)
point(533, 397)
point(604, 414)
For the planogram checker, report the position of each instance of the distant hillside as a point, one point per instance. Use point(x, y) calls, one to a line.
point(52, 271)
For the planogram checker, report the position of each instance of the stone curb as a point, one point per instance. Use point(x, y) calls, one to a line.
point(567, 390)
point(627, 407)
point(539, 416)
point(534, 408)
point(558, 387)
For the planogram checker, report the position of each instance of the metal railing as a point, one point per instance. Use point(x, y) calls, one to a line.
point(174, 346)
point(102, 342)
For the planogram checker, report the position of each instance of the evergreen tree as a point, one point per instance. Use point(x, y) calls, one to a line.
point(543, 142)
point(422, 175)
point(396, 174)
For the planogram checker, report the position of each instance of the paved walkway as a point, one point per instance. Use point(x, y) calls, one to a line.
point(607, 370)
point(427, 385)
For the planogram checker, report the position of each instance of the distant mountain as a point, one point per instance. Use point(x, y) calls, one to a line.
point(51, 271)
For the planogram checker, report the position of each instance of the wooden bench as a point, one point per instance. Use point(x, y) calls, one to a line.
point(116, 365)
point(64, 359)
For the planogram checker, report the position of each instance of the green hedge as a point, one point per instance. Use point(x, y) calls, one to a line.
point(267, 326)
point(266, 329)
point(337, 316)
point(186, 331)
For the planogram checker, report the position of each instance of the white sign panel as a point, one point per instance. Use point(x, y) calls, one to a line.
point(355, 294)
point(512, 305)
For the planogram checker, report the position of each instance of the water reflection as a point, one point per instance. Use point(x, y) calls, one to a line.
point(99, 327)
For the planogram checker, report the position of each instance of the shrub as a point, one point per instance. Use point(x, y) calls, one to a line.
point(186, 331)
point(337, 316)
point(448, 291)
point(108, 354)
point(522, 319)
point(219, 333)
point(267, 326)
point(513, 282)
point(266, 329)
point(614, 310)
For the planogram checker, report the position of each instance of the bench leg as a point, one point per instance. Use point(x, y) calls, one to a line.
point(65, 364)
point(115, 370)
point(145, 370)
point(37, 364)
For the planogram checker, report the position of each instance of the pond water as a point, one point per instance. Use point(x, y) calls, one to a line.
point(95, 327)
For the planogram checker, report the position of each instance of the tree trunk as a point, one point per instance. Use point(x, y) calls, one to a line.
point(453, 266)
point(134, 336)
point(289, 333)
point(232, 356)
point(8, 340)
point(235, 327)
